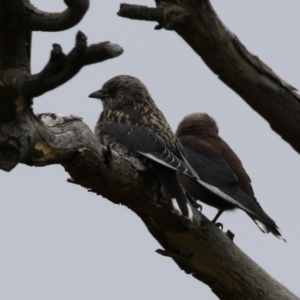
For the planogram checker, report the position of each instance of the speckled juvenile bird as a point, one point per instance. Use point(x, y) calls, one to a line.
point(130, 120)
point(217, 164)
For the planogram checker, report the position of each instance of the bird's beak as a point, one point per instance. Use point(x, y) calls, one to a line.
point(98, 94)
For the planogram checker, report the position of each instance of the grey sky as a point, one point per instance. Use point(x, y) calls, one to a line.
point(60, 242)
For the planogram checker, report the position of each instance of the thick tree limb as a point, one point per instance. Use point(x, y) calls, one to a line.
point(60, 67)
point(199, 247)
point(38, 20)
point(198, 24)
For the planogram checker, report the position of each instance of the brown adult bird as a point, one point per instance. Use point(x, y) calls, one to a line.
point(132, 124)
point(217, 164)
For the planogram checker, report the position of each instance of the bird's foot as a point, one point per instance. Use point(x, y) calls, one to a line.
point(198, 206)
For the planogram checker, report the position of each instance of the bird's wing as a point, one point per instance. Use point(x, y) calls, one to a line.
point(217, 173)
point(216, 176)
point(146, 142)
point(213, 171)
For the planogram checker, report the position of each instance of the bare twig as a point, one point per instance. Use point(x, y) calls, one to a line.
point(43, 21)
point(168, 17)
point(60, 67)
point(99, 52)
point(140, 12)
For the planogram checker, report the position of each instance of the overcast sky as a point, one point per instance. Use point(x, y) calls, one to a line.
point(60, 242)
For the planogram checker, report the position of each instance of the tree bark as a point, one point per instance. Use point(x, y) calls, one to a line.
point(198, 247)
point(18, 86)
point(198, 24)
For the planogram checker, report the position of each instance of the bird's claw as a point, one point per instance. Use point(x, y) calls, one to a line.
point(197, 205)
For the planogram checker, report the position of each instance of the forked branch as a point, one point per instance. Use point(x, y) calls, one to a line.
point(60, 67)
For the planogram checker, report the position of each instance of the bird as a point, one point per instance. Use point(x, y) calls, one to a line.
point(217, 164)
point(132, 124)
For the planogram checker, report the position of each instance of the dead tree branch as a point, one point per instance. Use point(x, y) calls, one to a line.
point(199, 248)
point(140, 12)
point(38, 20)
point(198, 24)
point(60, 67)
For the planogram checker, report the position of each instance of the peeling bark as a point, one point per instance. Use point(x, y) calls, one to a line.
point(198, 24)
point(199, 248)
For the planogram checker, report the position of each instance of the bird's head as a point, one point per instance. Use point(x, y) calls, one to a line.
point(123, 89)
point(197, 123)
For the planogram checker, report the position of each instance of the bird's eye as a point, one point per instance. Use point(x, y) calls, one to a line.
point(112, 90)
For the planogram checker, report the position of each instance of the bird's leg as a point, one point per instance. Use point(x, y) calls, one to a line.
point(220, 225)
point(214, 220)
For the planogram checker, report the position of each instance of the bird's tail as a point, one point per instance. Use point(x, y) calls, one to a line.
point(265, 223)
point(175, 195)
point(266, 228)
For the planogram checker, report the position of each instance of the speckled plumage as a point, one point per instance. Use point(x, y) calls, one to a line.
point(130, 103)
point(132, 124)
